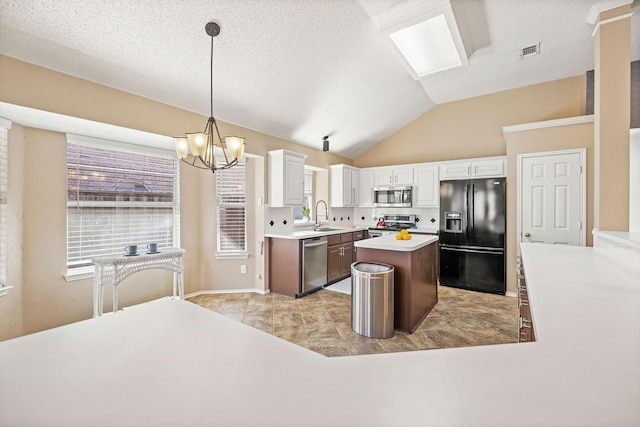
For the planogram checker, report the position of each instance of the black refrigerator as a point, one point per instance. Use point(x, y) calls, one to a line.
point(472, 234)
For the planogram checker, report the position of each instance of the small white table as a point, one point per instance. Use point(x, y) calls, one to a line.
point(113, 269)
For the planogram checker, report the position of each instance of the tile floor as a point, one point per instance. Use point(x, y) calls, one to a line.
point(322, 321)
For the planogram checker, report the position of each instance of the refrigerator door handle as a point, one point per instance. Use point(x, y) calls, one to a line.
point(473, 250)
point(466, 199)
point(472, 212)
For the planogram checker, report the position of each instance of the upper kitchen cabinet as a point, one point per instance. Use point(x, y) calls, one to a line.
point(494, 167)
point(344, 186)
point(427, 189)
point(365, 193)
point(286, 178)
point(393, 176)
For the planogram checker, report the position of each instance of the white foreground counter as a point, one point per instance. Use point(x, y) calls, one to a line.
point(170, 362)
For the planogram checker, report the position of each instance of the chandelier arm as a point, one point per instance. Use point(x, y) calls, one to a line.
point(210, 154)
point(223, 145)
point(194, 163)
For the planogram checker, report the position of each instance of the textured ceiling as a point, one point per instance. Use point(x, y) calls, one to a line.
point(296, 69)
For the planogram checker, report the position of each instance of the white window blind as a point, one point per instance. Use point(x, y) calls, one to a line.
point(3, 204)
point(231, 211)
point(117, 198)
point(308, 196)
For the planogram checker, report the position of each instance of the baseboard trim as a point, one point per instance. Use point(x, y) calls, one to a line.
point(227, 291)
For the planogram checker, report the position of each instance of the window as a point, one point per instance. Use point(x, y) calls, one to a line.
point(308, 196)
point(231, 211)
point(117, 197)
point(4, 125)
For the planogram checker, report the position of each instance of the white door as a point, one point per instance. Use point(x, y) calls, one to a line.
point(552, 201)
point(346, 187)
point(383, 177)
point(293, 181)
point(365, 188)
point(403, 176)
point(427, 189)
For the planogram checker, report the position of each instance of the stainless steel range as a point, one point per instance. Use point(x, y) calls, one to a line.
point(392, 223)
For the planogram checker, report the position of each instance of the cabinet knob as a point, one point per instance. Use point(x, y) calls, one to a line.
point(527, 234)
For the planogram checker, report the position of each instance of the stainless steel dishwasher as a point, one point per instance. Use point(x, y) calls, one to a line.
point(314, 265)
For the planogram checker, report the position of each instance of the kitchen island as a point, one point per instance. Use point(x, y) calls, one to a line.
point(415, 278)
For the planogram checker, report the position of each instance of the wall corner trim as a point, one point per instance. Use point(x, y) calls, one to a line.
point(602, 6)
point(548, 124)
point(608, 21)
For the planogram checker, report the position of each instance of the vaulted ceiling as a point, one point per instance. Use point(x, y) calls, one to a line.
point(297, 69)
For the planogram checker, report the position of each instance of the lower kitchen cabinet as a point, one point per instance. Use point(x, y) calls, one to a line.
point(339, 256)
point(285, 264)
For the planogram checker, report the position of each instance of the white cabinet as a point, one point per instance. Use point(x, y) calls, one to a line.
point(427, 187)
point(473, 169)
point(393, 176)
point(344, 186)
point(489, 168)
point(455, 170)
point(286, 178)
point(403, 176)
point(365, 193)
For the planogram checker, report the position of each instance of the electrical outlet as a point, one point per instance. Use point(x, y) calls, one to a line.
point(243, 269)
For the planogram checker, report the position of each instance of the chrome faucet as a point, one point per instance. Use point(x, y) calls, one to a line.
point(316, 224)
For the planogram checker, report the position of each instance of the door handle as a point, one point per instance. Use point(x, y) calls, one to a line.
point(527, 234)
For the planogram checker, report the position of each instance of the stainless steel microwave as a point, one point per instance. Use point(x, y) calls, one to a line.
point(392, 197)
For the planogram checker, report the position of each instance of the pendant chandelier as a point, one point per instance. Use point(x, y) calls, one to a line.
point(202, 144)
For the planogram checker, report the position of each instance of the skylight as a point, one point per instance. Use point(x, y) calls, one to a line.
point(425, 38)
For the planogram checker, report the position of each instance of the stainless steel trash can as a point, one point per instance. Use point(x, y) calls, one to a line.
point(372, 299)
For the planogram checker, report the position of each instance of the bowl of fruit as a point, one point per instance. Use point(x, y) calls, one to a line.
point(403, 235)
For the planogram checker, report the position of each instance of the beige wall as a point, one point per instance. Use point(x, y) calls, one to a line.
point(11, 322)
point(535, 141)
point(473, 127)
point(612, 90)
point(42, 298)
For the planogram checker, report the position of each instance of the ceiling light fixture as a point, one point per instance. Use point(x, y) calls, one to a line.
point(202, 144)
point(325, 143)
point(425, 37)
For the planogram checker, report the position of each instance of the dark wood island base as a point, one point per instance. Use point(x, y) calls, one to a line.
point(415, 281)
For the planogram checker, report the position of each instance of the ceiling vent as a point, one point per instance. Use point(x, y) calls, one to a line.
point(530, 50)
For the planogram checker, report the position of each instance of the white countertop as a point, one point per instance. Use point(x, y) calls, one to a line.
point(621, 237)
point(390, 243)
point(585, 303)
point(152, 365)
point(424, 230)
point(308, 233)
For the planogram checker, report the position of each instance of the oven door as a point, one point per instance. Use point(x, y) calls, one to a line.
point(378, 233)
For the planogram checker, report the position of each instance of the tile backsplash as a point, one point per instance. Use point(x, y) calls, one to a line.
point(278, 219)
point(281, 219)
point(427, 218)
